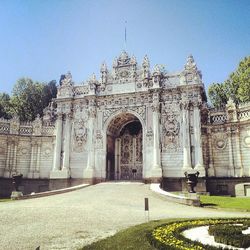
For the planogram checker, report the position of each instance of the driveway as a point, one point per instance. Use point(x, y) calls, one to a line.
point(74, 219)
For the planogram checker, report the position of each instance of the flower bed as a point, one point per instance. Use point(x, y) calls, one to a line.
point(169, 236)
point(230, 234)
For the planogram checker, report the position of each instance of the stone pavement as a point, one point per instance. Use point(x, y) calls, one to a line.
point(74, 219)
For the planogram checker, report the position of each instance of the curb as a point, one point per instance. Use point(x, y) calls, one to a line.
point(53, 192)
point(190, 201)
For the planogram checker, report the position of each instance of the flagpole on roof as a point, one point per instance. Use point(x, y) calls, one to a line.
point(125, 36)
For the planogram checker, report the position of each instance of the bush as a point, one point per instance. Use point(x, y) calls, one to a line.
point(230, 234)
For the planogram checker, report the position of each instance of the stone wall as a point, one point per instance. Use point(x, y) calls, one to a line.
point(226, 141)
point(26, 148)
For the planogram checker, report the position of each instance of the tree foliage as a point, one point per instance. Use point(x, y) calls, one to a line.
point(237, 86)
point(4, 105)
point(28, 99)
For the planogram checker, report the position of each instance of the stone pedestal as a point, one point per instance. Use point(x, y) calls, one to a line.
point(15, 195)
point(156, 172)
point(88, 173)
point(59, 174)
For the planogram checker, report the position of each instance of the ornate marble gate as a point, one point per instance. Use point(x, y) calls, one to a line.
point(130, 163)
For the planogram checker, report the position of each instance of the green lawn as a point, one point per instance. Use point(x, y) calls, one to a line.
point(131, 238)
point(226, 202)
point(4, 200)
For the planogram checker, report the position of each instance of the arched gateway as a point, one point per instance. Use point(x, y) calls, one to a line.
point(133, 123)
point(124, 147)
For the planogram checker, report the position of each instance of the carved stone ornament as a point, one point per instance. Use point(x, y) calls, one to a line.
point(37, 126)
point(149, 137)
point(99, 140)
point(66, 80)
point(171, 126)
point(66, 86)
point(171, 129)
point(246, 138)
point(139, 110)
point(92, 112)
point(14, 125)
point(47, 151)
point(220, 141)
point(80, 134)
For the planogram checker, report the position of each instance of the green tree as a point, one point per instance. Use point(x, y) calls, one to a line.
point(29, 98)
point(5, 105)
point(237, 86)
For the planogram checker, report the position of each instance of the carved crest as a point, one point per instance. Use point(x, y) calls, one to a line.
point(80, 134)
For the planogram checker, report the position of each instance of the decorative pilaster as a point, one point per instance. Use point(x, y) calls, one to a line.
point(67, 143)
point(117, 159)
point(199, 166)
point(14, 163)
point(7, 165)
point(38, 155)
point(89, 171)
point(32, 157)
point(58, 146)
point(156, 170)
point(186, 138)
point(56, 173)
point(211, 170)
point(231, 169)
point(238, 153)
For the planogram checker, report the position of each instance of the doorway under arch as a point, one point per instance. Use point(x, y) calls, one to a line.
point(124, 148)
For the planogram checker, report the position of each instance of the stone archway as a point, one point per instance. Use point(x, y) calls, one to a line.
point(124, 159)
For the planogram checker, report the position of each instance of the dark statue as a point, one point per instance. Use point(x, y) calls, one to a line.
point(192, 180)
point(16, 181)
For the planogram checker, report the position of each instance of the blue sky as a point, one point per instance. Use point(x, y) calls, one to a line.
point(43, 39)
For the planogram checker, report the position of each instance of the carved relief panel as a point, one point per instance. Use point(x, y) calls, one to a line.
point(170, 129)
point(80, 127)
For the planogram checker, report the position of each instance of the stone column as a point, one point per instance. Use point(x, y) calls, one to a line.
point(57, 173)
point(199, 166)
point(238, 153)
point(186, 138)
point(38, 153)
point(67, 143)
point(7, 165)
point(14, 165)
point(32, 157)
point(211, 170)
point(117, 158)
point(89, 171)
point(58, 145)
point(231, 170)
point(156, 170)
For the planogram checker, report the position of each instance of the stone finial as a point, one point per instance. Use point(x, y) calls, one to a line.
point(66, 80)
point(104, 67)
point(123, 59)
point(93, 78)
point(14, 125)
point(231, 110)
point(190, 64)
point(115, 62)
point(230, 104)
point(145, 62)
point(37, 125)
point(133, 60)
point(66, 86)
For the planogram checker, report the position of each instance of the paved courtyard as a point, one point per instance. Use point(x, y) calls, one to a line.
point(74, 219)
